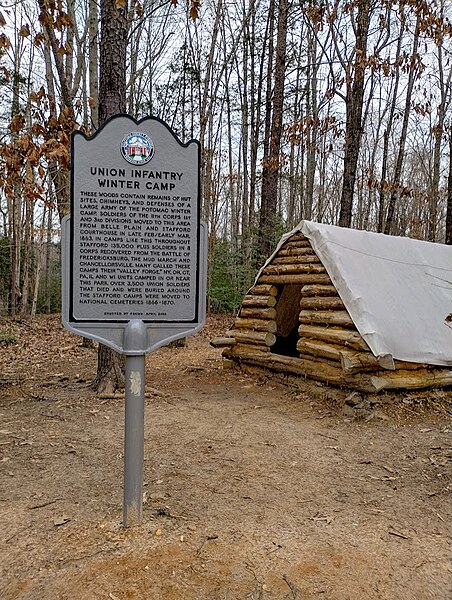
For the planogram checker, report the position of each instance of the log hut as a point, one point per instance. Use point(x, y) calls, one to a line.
point(350, 308)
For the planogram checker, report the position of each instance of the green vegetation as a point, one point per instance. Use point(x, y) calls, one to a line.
point(229, 278)
point(7, 338)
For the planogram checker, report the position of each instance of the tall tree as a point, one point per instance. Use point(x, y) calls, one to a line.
point(272, 159)
point(416, 67)
point(355, 78)
point(449, 194)
point(444, 90)
point(112, 100)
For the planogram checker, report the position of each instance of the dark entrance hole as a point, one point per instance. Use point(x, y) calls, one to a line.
point(287, 321)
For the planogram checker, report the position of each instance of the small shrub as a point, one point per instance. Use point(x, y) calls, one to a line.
point(7, 338)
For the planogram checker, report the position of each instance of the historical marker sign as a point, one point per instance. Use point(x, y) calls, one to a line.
point(136, 246)
point(134, 257)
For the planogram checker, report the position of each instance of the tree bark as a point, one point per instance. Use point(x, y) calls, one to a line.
point(449, 195)
point(387, 132)
point(354, 110)
point(113, 45)
point(438, 132)
point(406, 114)
point(271, 160)
point(112, 100)
point(93, 33)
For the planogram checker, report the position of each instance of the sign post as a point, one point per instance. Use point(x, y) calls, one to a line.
point(134, 257)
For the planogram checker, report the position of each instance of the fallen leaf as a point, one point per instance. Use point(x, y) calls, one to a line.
point(61, 520)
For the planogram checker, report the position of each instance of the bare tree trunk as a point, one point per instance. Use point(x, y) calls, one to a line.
point(256, 101)
point(113, 44)
point(271, 160)
point(449, 195)
point(395, 186)
point(233, 188)
point(27, 249)
point(58, 175)
point(48, 258)
point(93, 34)
point(354, 111)
point(438, 131)
point(312, 115)
point(112, 100)
point(16, 203)
point(386, 135)
point(39, 260)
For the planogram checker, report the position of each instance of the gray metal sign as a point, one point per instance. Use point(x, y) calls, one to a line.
point(134, 247)
point(134, 257)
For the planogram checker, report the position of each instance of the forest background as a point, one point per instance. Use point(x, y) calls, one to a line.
point(335, 111)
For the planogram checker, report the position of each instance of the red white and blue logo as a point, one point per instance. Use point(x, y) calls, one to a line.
point(137, 148)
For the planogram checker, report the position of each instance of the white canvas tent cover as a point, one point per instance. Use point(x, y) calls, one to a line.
point(397, 290)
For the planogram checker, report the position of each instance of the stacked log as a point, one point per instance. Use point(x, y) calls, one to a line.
point(295, 263)
point(255, 327)
point(329, 336)
point(330, 348)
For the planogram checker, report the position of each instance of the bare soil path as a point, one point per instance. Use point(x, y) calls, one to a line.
point(254, 489)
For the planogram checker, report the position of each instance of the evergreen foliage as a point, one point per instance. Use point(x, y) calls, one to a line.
point(229, 278)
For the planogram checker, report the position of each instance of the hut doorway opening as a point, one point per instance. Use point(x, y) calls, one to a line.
point(287, 321)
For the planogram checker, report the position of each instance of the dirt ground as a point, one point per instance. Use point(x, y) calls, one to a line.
point(254, 488)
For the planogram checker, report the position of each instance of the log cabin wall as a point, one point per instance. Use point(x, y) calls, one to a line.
point(294, 294)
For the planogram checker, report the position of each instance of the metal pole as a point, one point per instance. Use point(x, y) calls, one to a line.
point(134, 440)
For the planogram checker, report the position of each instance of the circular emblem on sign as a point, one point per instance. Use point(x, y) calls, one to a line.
point(137, 148)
